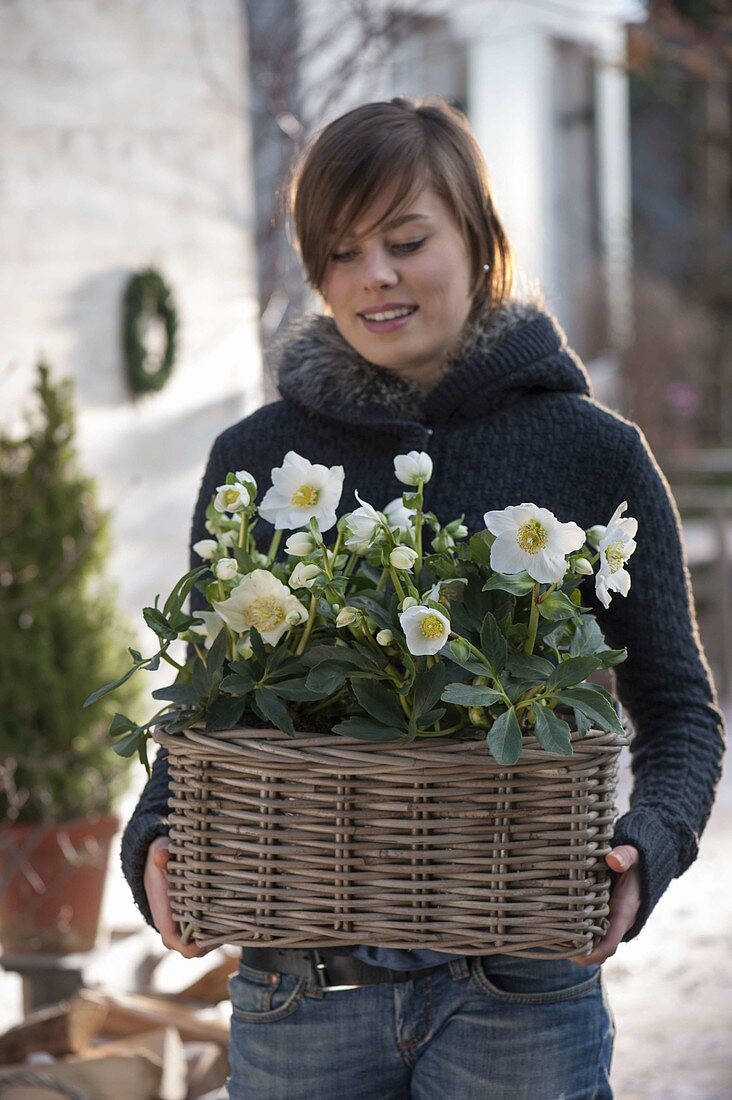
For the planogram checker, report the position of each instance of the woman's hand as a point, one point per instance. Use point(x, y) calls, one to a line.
point(624, 903)
point(156, 888)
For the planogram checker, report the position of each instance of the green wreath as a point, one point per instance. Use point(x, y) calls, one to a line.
point(147, 296)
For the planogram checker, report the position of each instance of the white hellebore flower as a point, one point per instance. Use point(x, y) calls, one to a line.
point(206, 548)
point(399, 517)
point(363, 523)
point(300, 492)
point(616, 546)
point(425, 629)
point(231, 498)
point(247, 479)
point(413, 467)
point(260, 601)
point(303, 576)
point(300, 544)
point(209, 629)
point(532, 539)
point(225, 569)
point(403, 557)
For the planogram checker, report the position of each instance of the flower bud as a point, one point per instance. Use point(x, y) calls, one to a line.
point(300, 544)
point(303, 576)
point(595, 534)
point(206, 548)
point(460, 532)
point(443, 541)
point(346, 616)
point(385, 637)
point(409, 601)
point(460, 649)
point(244, 649)
point(230, 538)
point(477, 716)
point(225, 569)
point(582, 566)
point(295, 617)
point(403, 557)
point(413, 468)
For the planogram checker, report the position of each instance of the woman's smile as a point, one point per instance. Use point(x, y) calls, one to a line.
point(388, 317)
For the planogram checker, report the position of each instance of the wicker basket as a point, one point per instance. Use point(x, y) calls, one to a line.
point(314, 841)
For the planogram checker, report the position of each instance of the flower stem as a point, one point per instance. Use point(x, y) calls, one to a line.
point(397, 584)
point(533, 619)
point(418, 520)
point(164, 655)
point(273, 547)
point(243, 529)
point(308, 628)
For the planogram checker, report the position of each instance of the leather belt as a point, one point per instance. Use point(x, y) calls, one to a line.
point(334, 968)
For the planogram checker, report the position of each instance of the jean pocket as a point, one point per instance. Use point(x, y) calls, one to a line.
point(533, 981)
point(264, 996)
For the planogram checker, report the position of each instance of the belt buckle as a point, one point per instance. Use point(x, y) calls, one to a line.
point(322, 973)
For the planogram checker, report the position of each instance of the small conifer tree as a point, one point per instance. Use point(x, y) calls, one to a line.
point(60, 632)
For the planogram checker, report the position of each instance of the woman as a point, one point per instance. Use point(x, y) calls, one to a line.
point(424, 346)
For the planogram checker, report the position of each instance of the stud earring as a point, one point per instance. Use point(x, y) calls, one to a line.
point(486, 267)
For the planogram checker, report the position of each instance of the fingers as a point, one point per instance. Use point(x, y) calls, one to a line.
point(156, 887)
point(624, 904)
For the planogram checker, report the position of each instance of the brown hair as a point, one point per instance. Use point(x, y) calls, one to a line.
point(398, 147)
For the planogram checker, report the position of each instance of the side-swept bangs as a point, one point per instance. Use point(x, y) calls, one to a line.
point(393, 150)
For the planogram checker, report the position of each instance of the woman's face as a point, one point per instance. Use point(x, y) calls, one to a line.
point(401, 295)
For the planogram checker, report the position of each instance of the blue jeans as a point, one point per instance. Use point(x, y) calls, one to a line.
point(494, 1027)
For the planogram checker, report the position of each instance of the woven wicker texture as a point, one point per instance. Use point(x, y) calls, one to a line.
point(314, 841)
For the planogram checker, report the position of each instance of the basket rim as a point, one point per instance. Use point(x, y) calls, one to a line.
point(273, 742)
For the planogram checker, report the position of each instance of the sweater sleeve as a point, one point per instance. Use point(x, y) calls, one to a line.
point(666, 687)
point(149, 818)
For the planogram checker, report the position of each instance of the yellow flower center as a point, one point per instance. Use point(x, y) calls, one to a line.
point(615, 556)
point(305, 496)
point(231, 495)
point(265, 614)
point(431, 626)
point(532, 536)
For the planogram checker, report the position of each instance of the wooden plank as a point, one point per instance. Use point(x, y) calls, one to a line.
point(66, 1028)
point(131, 1013)
point(165, 1045)
point(118, 1076)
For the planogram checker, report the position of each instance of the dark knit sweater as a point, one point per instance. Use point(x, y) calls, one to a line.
point(511, 420)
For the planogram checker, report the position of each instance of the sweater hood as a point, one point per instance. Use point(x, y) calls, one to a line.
point(516, 349)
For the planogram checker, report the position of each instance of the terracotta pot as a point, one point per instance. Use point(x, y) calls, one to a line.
point(52, 883)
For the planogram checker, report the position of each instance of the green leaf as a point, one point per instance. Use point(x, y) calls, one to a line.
point(255, 640)
point(121, 724)
point(572, 671)
point(177, 693)
point(608, 658)
point(340, 653)
point(527, 666)
point(157, 622)
point(480, 547)
point(368, 731)
point(470, 695)
point(131, 743)
point(493, 644)
point(177, 597)
point(200, 678)
point(295, 690)
point(225, 714)
point(274, 710)
point(519, 584)
point(587, 639)
point(102, 691)
point(504, 738)
point(428, 688)
point(594, 704)
point(217, 653)
point(379, 701)
point(239, 682)
point(470, 664)
point(431, 717)
point(551, 732)
point(327, 677)
point(556, 606)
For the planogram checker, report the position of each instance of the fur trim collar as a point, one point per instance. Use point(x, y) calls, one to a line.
point(317, 368)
